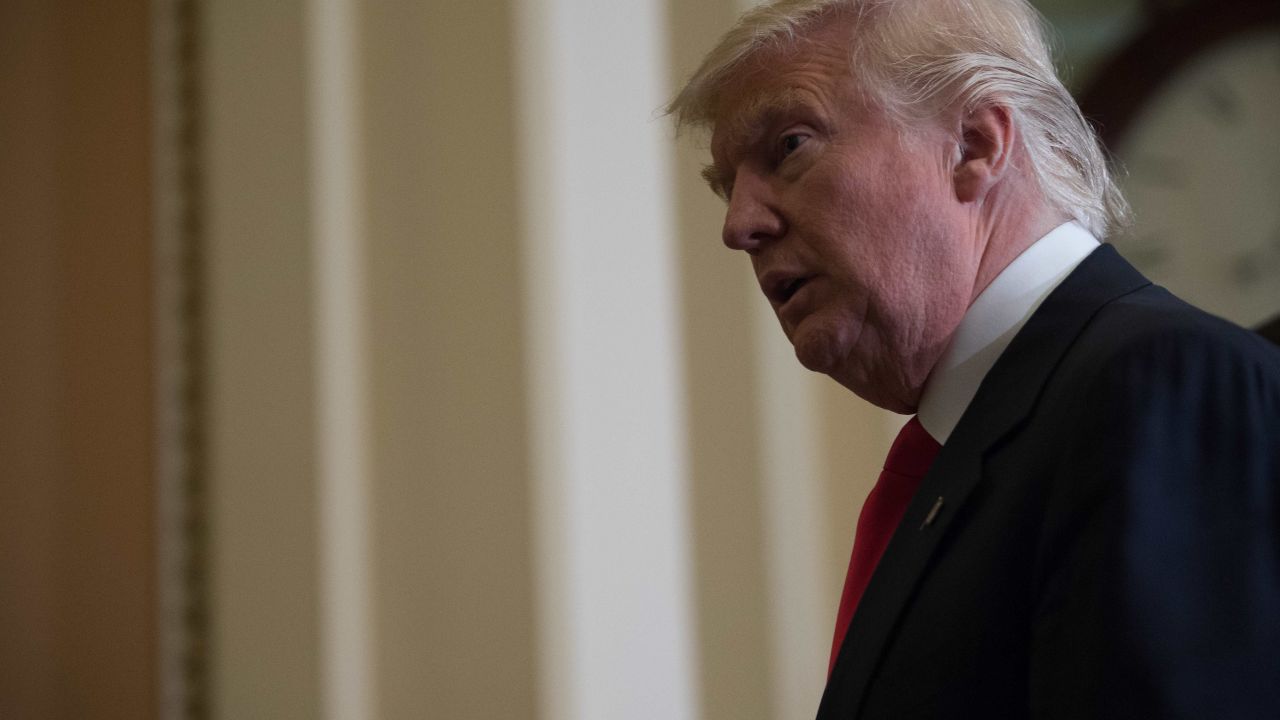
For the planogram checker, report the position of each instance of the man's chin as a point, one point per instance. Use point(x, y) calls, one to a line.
point(818, 354)
point(822, 354)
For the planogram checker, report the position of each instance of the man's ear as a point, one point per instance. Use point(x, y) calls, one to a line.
point(987, 137)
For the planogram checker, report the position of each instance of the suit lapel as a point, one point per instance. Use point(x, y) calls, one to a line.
point(1004, 398)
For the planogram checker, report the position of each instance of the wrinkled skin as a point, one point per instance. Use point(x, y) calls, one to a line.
point(869, 239)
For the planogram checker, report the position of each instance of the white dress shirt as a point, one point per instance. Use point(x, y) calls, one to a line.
point(990, 323)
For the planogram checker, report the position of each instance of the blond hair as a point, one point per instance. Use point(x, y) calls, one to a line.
point(916, 58)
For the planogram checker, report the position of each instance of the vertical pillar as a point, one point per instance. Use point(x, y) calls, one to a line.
point(342, 413)
point(615, 628)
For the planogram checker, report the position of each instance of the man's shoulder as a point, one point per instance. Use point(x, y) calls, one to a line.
point(1151, 336)
point(1146, 356)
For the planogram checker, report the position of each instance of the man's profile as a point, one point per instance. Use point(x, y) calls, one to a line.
point(1083, 517)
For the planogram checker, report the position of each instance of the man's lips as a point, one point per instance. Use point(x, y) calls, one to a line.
point(781, 286)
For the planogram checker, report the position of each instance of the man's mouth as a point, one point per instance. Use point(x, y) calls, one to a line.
point(783, 289)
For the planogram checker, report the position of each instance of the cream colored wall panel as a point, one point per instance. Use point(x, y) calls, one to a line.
point(718, 292)
point(452, 501)
point(794, 467)
point(261, 404)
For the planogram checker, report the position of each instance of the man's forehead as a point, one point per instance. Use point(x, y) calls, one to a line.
point(744, 116)
point(776, 80)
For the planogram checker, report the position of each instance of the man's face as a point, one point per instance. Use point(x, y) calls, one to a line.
point(853, 227)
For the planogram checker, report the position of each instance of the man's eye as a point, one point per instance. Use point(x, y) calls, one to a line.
point(792, 142)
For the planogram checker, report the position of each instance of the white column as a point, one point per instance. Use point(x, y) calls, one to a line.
point(615, 624)
point(340, 316)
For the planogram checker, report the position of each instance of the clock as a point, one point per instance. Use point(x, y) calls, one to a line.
point(1190, 111)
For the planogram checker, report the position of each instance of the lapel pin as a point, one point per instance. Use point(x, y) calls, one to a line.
point(933, 513)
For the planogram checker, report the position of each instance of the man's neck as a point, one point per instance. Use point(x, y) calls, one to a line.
point(1009, 236)
point(993, 320)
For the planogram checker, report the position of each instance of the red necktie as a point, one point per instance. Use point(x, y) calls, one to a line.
point(909, 459)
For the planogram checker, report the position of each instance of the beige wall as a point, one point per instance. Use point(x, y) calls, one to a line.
point(260, 395)
point(725, 477)
point(451, 557)
point(77, 574)
point(451, 460)
point(450, 565)
point(442, 504)
point(455, 578)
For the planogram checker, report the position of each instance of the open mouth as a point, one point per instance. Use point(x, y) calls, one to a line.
point(786, 290)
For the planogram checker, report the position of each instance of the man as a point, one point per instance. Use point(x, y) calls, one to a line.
point(1083, 519)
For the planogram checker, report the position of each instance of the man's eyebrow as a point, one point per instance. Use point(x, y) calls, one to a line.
point(754, 119)
point(716, 180)
point(763, 110)
point(746, 127)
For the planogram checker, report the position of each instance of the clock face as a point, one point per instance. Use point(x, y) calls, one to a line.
point(1203, 162)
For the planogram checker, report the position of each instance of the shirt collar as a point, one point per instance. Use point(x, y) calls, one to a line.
point(990, 323)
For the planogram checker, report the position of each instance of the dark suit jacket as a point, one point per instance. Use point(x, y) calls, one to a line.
point(1108, 544)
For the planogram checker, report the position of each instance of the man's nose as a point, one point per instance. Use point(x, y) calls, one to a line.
point(752, 217)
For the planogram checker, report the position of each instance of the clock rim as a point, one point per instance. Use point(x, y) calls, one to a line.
point(1125, 84)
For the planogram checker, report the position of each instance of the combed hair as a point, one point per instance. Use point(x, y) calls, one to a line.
point(916, 58)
